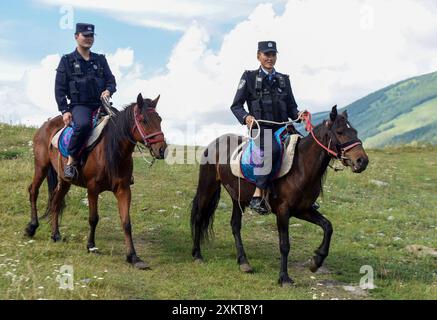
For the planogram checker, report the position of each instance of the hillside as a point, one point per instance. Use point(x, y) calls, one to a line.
point(402, 113)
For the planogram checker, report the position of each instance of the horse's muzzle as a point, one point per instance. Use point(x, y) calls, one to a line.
point(162, 152)
point(157, 149)
point(360, 164)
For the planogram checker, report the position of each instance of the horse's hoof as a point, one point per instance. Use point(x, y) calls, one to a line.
point(315, 263)
point(56, 237)
point(198, 260)
point(30, 230)
point(93, 250)
point(285, 282)
point(141, 265)
point(313, 267)
point(246, 268)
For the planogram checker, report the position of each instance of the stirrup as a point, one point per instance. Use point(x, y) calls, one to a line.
point(258, 204)
point(70, 171)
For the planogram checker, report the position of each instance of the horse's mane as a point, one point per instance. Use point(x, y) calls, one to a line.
point(118, 129)
point(320, 130)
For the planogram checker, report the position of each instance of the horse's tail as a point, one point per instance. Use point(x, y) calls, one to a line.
point(52, 183)
point(205, 203)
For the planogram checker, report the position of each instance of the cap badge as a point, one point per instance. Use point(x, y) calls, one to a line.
point(270, 44)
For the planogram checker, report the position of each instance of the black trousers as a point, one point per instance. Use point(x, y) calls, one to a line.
point(83, 125)
point(270, 151)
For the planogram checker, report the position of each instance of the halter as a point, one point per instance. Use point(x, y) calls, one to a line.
point(147, 138)
point(341, 148)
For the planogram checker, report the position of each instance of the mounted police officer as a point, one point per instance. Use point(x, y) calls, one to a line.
point(82, 77)
point(269, 97)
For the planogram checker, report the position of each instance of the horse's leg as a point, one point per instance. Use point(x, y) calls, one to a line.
point(55, 207)
point(93, 219)
point(38, 177)
point(236, 231)
point(322, 252)
point(123, 195)
point(282, 220)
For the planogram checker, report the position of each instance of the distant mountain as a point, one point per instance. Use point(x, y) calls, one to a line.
point(398, 114)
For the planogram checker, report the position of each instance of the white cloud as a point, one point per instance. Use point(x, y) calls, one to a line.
point(17, 108)
point(40, 83)
point(29, 99)
point(122, 58)
point(334, 54)
point(333, 51)
point(12, 71)
point(166, 14)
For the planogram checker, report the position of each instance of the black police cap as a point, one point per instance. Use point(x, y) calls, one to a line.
point(267, 46)
point(85, 28)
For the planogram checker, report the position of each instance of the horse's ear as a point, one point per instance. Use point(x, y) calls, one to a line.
point(155, 102)
point(140, 101)
point(334, 113)
point(345, 114)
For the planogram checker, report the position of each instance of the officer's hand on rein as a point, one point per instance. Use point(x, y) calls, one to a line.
point(66, 117)
point(249, 120)
point(301, 114)
point(106, 94)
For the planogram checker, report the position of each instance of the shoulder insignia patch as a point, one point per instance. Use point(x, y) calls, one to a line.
point(241, 84)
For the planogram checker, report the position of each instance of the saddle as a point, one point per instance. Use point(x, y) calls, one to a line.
point(62, 138)
point(244, 159)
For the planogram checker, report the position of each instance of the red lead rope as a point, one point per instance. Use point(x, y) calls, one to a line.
point(309, 128)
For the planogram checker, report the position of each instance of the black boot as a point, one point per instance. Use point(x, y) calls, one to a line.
point(259, 205)
point(70, 171)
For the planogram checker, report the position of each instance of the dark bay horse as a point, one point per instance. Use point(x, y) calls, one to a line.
point(108, 167)
point(295, 192)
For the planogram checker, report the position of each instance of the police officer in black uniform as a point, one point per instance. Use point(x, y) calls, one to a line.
point(83, 77)
point(269, 97)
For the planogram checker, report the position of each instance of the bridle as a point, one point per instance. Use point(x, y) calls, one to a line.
point(148, 138)
point(341, 148)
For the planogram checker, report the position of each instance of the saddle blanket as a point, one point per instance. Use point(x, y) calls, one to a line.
point(247, 157)
point(62, 138)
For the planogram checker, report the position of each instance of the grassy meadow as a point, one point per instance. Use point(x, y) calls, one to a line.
point(376, 215)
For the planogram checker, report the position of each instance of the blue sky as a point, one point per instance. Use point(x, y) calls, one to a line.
point(33, 31)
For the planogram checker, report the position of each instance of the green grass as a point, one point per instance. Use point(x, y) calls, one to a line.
point(372, 226)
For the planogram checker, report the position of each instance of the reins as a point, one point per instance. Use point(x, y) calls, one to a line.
point(309, 127)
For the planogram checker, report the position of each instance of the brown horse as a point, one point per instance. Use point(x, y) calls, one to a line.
point(293, 195)
point(108, 167)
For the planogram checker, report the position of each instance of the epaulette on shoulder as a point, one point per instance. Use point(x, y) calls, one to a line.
point(248, 72)
point(283, 75)
point(102, 57)
point(68, 56)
